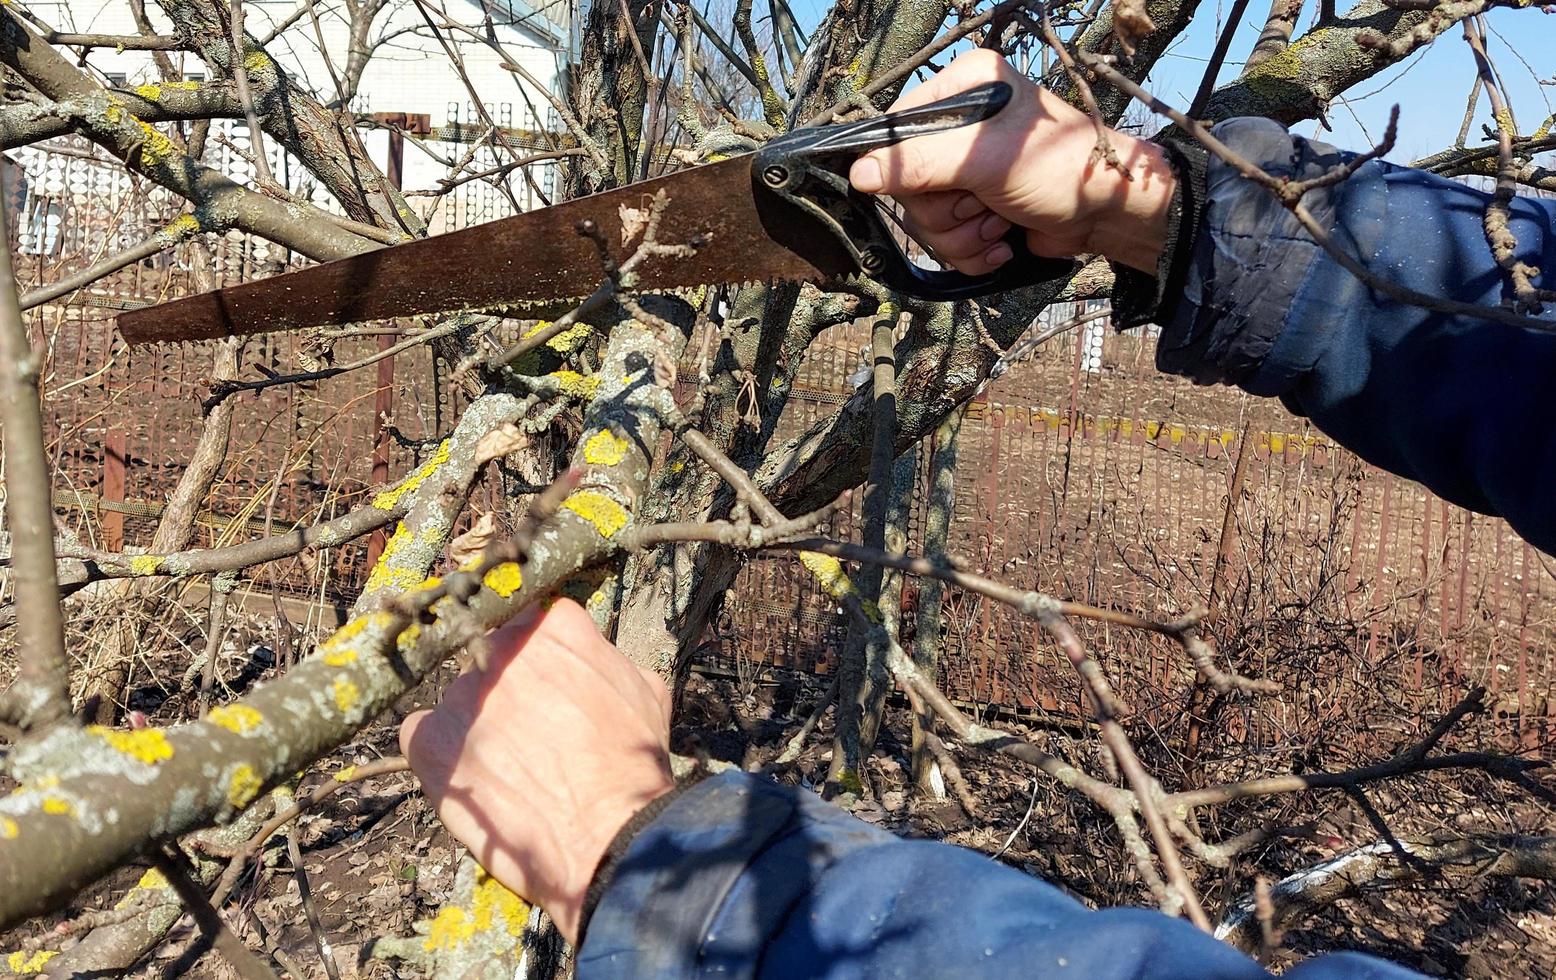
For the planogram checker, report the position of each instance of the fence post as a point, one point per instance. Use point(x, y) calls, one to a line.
point(112, 520)
point(383, 397)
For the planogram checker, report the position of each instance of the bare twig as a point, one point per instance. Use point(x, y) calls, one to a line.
point(1289, 192)
point(79, 567)
point(40, 694)
point(122, 42)
point(239, 956)
point(222, 587)
point(354, 774)
point(321, 941)
point(1207, 82)
point(223, 390)
point(240, 78)
point(796, 743)
point(1526, 296)
point(906, 67)
point(862, 679)
point(1031, 805)
point(178, 230)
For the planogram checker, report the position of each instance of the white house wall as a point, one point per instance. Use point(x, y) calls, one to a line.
point(410, 73)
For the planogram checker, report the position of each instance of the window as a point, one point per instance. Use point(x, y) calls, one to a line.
point(116, 79)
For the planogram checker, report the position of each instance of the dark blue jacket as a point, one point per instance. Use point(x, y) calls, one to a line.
point(1460, 405)
point(742, 878)
point(739, 877)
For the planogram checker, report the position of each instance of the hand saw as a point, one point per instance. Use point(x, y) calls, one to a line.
point(783, 212)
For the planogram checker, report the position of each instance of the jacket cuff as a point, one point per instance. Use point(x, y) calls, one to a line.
point(1249, 259)
point(605, 871)
point(713, 876)
point(1143, 297)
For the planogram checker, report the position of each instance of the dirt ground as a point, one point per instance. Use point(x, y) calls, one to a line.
point(377, 861)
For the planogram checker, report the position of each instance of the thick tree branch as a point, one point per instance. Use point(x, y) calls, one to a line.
point(27, 123)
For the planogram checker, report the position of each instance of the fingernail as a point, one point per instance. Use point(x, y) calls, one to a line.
point(866, 175)
point(966, 208)
point(998, 255)
point(993, 227)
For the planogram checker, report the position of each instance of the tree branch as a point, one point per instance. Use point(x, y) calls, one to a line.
point(40, 695)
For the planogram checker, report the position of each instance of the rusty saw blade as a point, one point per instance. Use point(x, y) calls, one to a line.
point(745, 234)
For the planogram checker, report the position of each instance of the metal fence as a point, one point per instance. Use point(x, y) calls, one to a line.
point(1082, 473)
point(123, 422)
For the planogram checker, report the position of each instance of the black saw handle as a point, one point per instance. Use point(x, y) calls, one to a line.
point(808, 168)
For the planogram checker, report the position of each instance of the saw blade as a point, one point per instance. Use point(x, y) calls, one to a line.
point(744, 233)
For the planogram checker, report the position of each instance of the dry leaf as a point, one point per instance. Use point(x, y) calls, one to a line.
point(1130, 24)
point(633, 221)
point(500, 442)
point(473, 543)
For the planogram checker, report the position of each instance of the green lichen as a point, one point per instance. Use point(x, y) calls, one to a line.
point(848, 781)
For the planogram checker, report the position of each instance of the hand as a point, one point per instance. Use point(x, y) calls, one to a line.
point(536, 762)
point(1033, 166)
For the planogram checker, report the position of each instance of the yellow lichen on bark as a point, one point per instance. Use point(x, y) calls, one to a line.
point(491, 906)
point(829, 573)
point(243, 785)
point(23, 963)
point(605, 448)
point(346, 694)
point(607, 516)
point(155, 148)
point(240, 719)
point(148, 745)
point(58, 806)
point(576, 385)
point(389, 498)
point(504, 579)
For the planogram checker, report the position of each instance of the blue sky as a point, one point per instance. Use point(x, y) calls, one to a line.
point(1431, 87)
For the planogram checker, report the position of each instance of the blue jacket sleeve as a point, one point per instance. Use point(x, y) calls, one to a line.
point(742, 878)
point(1458, 404)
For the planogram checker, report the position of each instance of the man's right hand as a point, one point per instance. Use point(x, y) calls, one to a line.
point(1034, 165)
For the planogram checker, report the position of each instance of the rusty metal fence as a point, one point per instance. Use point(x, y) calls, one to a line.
point(123, 422)
point(1081, 472)
point(1085, 474)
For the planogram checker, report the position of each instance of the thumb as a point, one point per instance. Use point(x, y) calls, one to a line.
point(410, 746)
point(914, 166)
